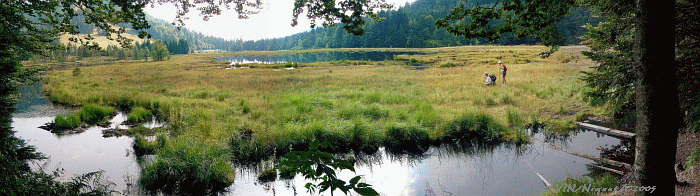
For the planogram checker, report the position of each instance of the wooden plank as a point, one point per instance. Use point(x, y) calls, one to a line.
point(608, 131)
point(598, 159)
point(607, 169)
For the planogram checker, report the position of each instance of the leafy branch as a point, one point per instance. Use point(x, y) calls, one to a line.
point(316, 165)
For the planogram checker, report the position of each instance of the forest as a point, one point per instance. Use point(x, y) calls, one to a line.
point(411, 25)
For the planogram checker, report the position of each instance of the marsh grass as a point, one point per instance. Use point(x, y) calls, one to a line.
point(138, 115)
point(185, 166)
point(474, 125)
point(363, 106)
point(92, 113)
point(267, 172)
point(66, 122)
point(515, 120)
point(411, 138)
point(89, 113)
point(143, 147)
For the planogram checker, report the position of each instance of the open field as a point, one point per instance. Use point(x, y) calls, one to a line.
point(257, 112)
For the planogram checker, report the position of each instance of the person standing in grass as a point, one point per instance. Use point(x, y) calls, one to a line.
point(503, 71)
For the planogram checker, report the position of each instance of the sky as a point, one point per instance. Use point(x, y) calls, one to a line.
point(273, 21)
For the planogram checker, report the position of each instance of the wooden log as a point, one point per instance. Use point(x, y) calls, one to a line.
point(608, 131)
point(607, 169)
point(549, 186)
point(598, 159)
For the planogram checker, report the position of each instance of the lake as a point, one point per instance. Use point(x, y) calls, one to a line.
point(449, 169)
point(314, 57)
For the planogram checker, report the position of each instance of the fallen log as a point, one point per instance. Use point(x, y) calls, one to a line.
point(597, 159)
point(607, 169)
point(608, 131)
point(549, 186)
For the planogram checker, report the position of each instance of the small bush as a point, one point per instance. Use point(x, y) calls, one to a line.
point(138, 114)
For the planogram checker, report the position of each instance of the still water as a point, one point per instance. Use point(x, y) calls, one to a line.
point(450, 170)
point(442, 170)
point(314, 57)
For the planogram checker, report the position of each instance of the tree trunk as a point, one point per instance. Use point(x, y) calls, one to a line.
point(657, 105)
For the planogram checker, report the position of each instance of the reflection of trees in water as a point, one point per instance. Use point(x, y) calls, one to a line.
point(623, 152)
point(462, 149)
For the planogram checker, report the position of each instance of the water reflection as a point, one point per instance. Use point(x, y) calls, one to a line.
point(465, 168)
point(314, 57)
point(79, 153)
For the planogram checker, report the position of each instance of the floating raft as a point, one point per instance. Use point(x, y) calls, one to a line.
point(608, 131)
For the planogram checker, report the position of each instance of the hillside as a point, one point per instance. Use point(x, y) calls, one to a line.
point(160, 29)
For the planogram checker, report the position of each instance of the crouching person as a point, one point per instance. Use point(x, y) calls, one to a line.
point(489, 78)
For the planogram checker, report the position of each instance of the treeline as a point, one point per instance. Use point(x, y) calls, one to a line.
point(163, 30)
point(412, 26)
point(138, 51)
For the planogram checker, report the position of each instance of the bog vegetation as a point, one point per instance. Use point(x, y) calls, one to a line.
point(253, 114)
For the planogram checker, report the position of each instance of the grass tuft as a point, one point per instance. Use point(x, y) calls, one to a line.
point(66, 122)
point(92, 113)
point(185, 166)
point(469, 126)
point(138, 115)
point(406, 137)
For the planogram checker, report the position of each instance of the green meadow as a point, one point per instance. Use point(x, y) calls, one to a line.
point(253, 113)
